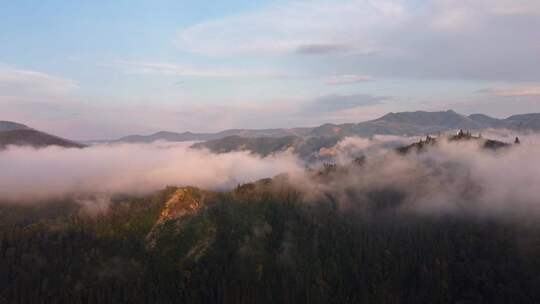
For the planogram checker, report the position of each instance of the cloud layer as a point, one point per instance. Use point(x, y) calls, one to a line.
point(441, 39)
point(450, 177)
point(32, 175)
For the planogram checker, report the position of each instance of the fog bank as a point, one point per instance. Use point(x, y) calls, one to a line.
point(29, 175)
point(447, 177)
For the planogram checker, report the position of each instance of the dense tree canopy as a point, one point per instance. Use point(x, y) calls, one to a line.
point(257, 244)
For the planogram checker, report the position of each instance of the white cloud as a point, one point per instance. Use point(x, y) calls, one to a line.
point(126, 168)
point(19, 82)
point(302, 26)
point(438, 39)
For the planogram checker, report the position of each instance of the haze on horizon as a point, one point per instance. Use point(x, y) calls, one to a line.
point(105, 69)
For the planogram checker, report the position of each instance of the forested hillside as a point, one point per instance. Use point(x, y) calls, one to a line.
point(264, 242)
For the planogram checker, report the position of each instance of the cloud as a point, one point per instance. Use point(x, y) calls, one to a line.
point(520, 91)
point(30, 175)
point(451, 177)
point(348, 79)
point(332, 103)
point(298, 27)
point(172, 69)
point(320, 49)
point(437, 39)
point(27, 83)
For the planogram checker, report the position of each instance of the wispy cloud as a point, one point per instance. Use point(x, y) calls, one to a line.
point(301, 27)
point(174, 69)
point(532, 90)
point(16, 82)
point(348, 79)
point(323, 48)
point(333, 103)
point(438, 39)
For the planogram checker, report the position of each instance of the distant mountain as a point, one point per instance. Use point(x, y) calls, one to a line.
point(189, 136)
point(21, 135)
point(524, 122)
point(304, 147)
point(403, 123)
point(257, 145)
point(9, 126)
point(309, 148)
point(487, 121)
point(164, 135)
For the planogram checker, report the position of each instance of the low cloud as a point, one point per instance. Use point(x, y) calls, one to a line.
point(451, 177)
point(30, 175)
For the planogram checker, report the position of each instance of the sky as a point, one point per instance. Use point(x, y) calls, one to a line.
point(104, 69)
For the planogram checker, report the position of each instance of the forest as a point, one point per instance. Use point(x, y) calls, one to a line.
point(262, 243)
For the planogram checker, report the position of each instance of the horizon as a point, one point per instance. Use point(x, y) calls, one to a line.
point(261, 129)
point(106, 70)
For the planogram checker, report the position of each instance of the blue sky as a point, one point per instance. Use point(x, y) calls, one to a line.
point(95, 69)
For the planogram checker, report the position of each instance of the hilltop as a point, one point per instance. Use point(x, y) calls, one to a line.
point(462, 136)
point(17, 134)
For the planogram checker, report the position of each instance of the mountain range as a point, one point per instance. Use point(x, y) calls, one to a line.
point(402, 124)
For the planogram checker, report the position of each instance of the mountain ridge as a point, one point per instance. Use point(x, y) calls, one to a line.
point(10, 126)
point(411, 123)
point(17, 134)
point(34, 138)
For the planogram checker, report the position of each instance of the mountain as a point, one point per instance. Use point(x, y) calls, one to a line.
point(309, 148)
point(524, 122)
point(165, 136)
point(305, 148)
point(487, 121)
point(10, 126)
point(257, 145)
point(190, 136)
point(403, 123)
point(21, 135)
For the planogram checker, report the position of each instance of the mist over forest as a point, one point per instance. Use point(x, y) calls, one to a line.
point(292, 151)
point(183, 223)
